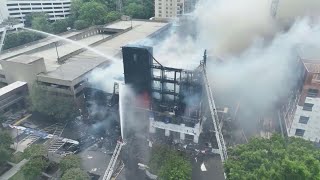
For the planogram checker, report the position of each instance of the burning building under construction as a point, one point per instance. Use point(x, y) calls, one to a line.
point(175, 100)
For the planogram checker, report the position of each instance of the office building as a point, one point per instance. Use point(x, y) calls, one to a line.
point(173, 8)
point(56, 9)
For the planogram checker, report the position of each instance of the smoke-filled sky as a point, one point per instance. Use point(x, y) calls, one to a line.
point(257, 50)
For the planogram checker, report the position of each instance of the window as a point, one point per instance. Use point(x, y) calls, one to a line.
point(56, 3)
point(307, 107)
point(24, 4)
point(25, 8)
point(47, 8)
point(303, 119)
point(57, 7)
point(13, 9)
point(46, 4)
point(12, 4)
point(36, 8)
point(299, 132)
point(313, 92)
point(135, 57)
point(2, 76)
point(35, 4)
point(14, 13)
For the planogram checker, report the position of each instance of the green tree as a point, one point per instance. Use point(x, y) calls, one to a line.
point(35, 150)
point(135, 10)
point(34, 167)
point(4, 155)
point(30, 16)
point(69, 162)
point(59, 26)
point(75, 8)
point(93, 12)
point(275, 158)
point(41, 22)
point(58, 107)
point(112, 16)
point(75, 174)
point(80, 24)
point(5, 139)
point(17, 38)
point(169, 164)
point(28, 20)
point(2, 120)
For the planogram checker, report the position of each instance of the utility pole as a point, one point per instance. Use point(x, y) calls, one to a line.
point(55, 43)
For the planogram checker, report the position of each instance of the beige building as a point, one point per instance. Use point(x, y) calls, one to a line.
point(62, 67)
point(173, 8)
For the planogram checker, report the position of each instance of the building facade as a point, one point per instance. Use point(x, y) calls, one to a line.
point(56, 9)
point(173, 8)
point(301, 114)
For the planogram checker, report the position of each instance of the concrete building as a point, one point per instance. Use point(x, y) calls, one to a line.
point(56, 9)
point(173, 8)
point(63, 67)
point(12, 94)
point(302, 113)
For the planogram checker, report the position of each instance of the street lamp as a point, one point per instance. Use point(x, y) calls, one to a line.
point(55, 43)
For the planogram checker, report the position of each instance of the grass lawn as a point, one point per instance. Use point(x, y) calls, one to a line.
point(17, 157)
point(17, 176)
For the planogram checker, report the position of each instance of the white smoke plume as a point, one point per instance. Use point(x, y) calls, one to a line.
point(104, 78)
point(257, 50)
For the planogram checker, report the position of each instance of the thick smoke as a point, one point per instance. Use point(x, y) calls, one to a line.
point(256, 49)
point(104, 78)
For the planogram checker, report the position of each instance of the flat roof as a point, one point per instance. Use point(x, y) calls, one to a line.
point(84, 62)
point(25, 59)
point(27, 47)
point(11, 87)
point(121, 25)
point(74, 68)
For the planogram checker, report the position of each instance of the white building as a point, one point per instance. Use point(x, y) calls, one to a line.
point(3, 12)
point(173, 8)
point(301, 115)
point(56, 9)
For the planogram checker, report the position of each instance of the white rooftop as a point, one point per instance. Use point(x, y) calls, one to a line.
point(11, 87)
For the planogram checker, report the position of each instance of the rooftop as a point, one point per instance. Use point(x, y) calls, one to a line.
point(84, 62)
point(25, 59)
point(310, 57)
point(11, 87)
point(77, 65)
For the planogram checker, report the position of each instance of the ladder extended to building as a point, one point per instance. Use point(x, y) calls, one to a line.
point(108, 173)
point(215, 119)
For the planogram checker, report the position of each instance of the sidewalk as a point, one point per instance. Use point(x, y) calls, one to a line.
point(13, 170)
